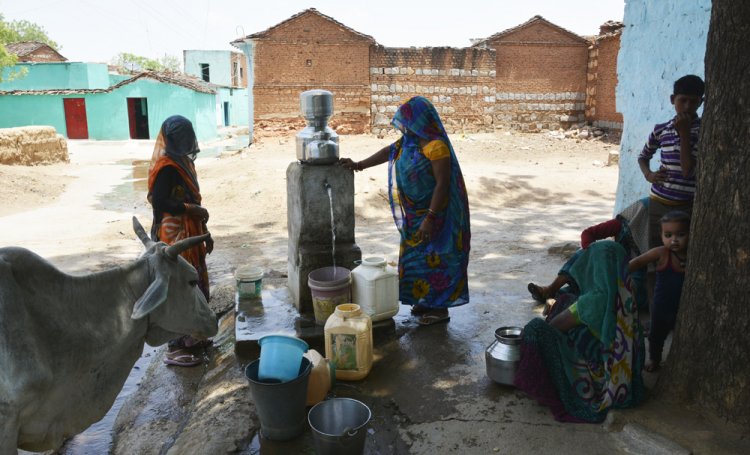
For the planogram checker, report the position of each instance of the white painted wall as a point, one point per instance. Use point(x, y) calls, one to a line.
point(662, 41)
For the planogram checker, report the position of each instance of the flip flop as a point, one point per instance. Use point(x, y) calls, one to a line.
point(182, 358)
point(537, 292)
point(433, 318)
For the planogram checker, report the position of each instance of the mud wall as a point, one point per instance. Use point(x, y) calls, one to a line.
point(459, 82)
point(541, 78)
point(311, 52)
point(31, 145)
point(601, 108)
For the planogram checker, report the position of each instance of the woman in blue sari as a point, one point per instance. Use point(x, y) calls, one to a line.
point(430, 207)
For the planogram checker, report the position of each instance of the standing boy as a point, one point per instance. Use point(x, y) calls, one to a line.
point(673, 184)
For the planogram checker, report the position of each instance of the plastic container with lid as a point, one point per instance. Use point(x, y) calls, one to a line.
point(348, 340)
point(322, 377)
point(375, 288)
point(249, 281)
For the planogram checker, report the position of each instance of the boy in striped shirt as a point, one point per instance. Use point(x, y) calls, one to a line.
point(673, 184)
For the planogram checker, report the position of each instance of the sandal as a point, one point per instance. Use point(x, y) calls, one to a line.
point(418, 310)
point(538, 293)
point(182, 358)
point(434, 317)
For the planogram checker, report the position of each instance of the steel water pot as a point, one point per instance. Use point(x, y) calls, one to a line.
point(503, 355)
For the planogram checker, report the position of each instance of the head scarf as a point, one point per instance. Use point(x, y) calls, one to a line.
point(174, 145)
point(179, 137)
point(418, 117)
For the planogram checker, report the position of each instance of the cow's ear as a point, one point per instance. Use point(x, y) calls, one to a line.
point(155, 295)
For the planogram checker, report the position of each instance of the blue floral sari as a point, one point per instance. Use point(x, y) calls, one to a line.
point(431, 273)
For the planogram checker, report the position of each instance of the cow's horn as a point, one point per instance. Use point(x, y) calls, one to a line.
point(178, 247)
point(141, 233)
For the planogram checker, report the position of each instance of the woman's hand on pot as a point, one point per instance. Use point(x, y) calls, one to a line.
point(348, 163)
point(196, 211)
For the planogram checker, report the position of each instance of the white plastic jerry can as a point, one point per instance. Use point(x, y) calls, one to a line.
point(375, 288)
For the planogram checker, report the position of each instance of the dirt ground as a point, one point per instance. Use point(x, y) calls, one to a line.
point(526, 193)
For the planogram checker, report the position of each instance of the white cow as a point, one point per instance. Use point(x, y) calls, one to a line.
point(68, 343)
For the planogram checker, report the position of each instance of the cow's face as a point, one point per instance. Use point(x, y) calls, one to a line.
point(173, 303)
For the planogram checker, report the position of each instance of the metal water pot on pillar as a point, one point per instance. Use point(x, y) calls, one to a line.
point(317, 143)
point(502, 356)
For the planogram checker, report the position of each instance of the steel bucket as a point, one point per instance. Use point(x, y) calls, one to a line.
point(339, 426)
point(280, 405)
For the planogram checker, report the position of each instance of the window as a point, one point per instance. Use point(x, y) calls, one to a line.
point(235, 74)
point(308, 62)
point(205, 74)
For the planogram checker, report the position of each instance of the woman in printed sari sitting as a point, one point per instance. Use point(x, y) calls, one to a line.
point(588, 356)
point(174, 194)
point(431, 210)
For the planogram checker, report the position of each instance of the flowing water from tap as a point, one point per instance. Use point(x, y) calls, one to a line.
point(333, 231)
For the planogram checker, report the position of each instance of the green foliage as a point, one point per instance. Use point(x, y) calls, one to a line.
point(134, 62)
point(13, 32)
point(171, 63)
point(16, 31)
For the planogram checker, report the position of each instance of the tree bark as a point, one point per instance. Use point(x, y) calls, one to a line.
point(709, 363)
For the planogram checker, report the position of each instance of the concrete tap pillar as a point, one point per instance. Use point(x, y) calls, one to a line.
point(309, 224)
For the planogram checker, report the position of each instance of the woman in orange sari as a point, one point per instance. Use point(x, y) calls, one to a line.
point(174, 194)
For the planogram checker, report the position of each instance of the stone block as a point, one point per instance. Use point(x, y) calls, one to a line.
point(310, 244)
point(613, 159)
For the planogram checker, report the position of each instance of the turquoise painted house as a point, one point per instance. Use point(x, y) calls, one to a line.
point(85, 101)
point(226, 71)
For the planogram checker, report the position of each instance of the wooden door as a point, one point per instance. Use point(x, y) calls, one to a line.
point(138, 118)
point(75, 118)
point(131, 118)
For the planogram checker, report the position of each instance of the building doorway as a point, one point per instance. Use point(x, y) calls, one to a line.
point(138, 118)
point(76, 123)
point(226, 113)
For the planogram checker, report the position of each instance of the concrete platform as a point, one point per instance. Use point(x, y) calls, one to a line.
point(274, 313)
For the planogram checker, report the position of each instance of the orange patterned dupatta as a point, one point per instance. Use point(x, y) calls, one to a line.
point(172, 228)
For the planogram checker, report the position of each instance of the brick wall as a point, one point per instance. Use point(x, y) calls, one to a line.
point(459, 82)
point(533, 77)
point(306, 53)
point(541, 77)
point(601, 109)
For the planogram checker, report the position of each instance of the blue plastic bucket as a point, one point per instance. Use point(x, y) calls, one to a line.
point(280, 357)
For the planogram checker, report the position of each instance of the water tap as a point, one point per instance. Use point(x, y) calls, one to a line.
point(326, 185)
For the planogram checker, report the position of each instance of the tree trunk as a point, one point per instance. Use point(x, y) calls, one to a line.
point(709, 362)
